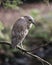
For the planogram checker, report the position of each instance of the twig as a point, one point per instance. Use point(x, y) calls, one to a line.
point(38, 47)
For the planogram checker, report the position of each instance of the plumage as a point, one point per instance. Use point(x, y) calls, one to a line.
point(20, 30)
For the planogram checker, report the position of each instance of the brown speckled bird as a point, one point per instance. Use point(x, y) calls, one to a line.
point(20, 30)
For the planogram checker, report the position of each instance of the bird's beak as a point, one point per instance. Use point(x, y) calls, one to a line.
point(33, 22)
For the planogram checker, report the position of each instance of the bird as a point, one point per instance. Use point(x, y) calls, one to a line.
point(20, 30)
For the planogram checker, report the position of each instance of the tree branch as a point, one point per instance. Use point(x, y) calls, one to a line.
point(24, 51)
point(33, 55)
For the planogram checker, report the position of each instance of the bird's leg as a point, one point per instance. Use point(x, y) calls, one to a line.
point(21, 45)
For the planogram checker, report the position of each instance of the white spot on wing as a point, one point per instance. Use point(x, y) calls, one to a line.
point(22, 18)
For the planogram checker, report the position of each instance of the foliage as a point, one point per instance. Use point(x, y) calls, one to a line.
point(10, 3)
point(35, 12)
point(44, 27)
point(4, 33)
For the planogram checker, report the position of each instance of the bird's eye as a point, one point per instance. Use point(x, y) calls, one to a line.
point(29, 19)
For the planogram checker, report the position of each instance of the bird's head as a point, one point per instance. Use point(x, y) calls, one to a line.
point(29, 20)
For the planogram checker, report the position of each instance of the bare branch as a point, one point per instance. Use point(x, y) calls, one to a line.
point(33, 55)
point(24, 51)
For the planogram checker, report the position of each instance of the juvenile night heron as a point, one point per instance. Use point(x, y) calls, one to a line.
point(20, 30)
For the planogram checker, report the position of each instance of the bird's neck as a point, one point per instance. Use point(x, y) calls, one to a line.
point(31, 25)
